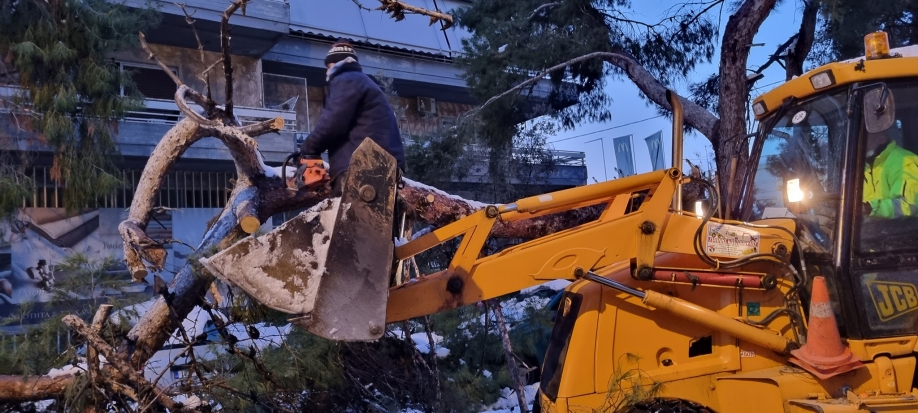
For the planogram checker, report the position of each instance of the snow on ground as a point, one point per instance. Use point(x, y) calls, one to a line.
point(508, 401)
point(556, 285)
point(422, 344)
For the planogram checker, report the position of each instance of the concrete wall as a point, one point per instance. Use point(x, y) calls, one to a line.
point(247, 90)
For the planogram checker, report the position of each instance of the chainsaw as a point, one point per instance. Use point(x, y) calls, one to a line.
point(310, 174)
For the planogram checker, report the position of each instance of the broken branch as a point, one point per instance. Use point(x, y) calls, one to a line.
point(246, 210)
point(115, 360)
point(263, 127)
point(92, 355)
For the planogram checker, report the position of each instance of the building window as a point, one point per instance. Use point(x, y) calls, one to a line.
point(287, 93)
point(151, 81)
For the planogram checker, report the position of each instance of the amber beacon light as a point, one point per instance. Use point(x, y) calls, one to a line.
point(876, 45)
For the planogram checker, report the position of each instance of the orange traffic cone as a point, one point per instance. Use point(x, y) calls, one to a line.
point(824, 355)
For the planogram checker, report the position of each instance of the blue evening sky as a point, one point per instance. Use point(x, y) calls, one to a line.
point(628, 107)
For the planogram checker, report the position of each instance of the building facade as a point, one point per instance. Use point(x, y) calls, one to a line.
point(278, 48)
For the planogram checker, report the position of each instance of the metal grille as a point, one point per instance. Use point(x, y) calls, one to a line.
point(180, 189)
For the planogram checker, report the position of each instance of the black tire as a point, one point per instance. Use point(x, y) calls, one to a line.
point(668, 405)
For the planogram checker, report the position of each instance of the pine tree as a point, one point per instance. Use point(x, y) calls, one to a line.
point(58, 52)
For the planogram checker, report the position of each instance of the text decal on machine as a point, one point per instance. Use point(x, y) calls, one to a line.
point(732, 241)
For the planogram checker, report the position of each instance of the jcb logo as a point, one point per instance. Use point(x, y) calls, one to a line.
point(893, 299)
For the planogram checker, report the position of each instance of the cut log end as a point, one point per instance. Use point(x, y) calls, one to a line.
point(139, 275)
point(249, 224)
point(278, 123)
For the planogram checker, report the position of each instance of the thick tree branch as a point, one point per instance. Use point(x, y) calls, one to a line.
point(246, 210)
point(438, 208)
point(114, 359)
point(257, 129)
point(137, 246)
point(733, 95)
point(805, 37)
point(180, 94)
point(695, 115)
point(92, 355)
point(242, 147)
point(17, 389)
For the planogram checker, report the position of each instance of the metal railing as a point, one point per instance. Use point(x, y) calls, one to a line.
point(166, 112)
point(180, 189)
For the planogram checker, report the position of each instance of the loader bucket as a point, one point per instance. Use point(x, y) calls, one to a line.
point(330, 265)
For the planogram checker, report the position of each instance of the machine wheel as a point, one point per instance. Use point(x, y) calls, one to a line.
point(668, 405)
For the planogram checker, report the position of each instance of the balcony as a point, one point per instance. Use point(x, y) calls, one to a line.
point(141, 131)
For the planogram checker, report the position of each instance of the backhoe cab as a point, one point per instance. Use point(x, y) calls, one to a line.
point(805, 303)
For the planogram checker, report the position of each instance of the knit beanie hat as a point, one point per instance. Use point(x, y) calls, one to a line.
point(340, 51)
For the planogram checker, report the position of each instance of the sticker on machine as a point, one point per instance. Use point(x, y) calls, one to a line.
point(732, 241)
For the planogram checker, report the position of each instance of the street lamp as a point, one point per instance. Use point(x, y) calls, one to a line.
point(603, 147)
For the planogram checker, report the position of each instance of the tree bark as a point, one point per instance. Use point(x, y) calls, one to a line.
point(113, 358)
point(729, 142)
point(805, 37)
point(515, 375)
point(18, 389)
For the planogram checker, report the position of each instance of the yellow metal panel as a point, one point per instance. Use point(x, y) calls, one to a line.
point(590, 192)
point(867, 350)
point(580, 357)
point(845, 73)
point(512, 270)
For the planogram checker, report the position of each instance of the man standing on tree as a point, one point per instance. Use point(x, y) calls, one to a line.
point(355, 109)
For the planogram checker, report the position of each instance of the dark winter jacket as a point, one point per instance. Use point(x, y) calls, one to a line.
point(355, 108)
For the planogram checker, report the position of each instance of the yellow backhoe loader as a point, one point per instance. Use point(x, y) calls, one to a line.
point(805, 302)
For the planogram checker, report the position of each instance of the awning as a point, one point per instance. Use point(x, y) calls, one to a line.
point(345, 19)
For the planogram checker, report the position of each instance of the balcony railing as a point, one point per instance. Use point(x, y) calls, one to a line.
point(166, 112)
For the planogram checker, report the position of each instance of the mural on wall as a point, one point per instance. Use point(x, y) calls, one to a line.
point(35, 281)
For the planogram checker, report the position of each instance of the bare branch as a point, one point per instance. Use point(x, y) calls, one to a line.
point(204, 102)
point(205, 75)
point(397, 10)
point(695, 115)
point(152, 56)
point(543, 7)
point(227, 59)
point(114, 359)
